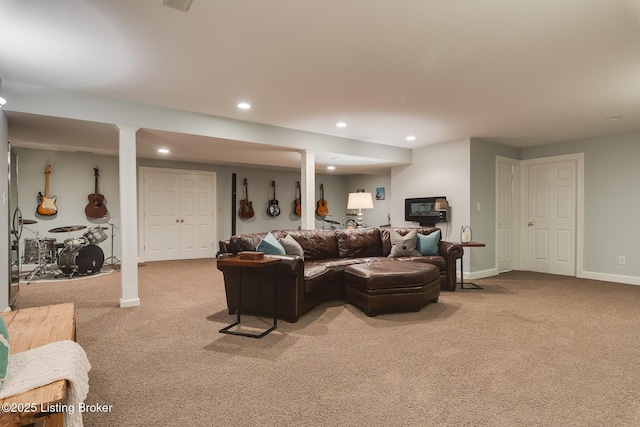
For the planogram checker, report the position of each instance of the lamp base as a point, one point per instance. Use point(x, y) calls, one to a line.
point(359, 220)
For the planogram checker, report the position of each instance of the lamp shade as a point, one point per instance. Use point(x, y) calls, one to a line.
point(360, 201)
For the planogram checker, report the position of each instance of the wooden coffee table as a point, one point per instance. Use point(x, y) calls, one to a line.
point(245, 264)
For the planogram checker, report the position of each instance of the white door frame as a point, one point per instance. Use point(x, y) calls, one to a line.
point(515, 201)
point(141, 171)
point(524, 202)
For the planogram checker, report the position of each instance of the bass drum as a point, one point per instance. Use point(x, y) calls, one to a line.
point(81, 260)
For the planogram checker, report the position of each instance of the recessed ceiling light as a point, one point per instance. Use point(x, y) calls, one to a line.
point(331, 167)
point(341, 124)
point(163, 151)
point(611, 119)
point(411, 138)
point(244, 105)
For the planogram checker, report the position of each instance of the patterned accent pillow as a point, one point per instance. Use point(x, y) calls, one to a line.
point(428, 243)
point(270, 246)
point(291, 247)
point(404, 245)
point(4, 351)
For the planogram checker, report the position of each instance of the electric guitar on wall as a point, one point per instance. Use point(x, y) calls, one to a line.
point(46, 204)
point(96, 207)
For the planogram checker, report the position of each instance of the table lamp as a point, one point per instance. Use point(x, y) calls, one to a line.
point(360, 201)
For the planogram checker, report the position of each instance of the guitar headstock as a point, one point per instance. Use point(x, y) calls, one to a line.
point(47, 171)
point(96, 172)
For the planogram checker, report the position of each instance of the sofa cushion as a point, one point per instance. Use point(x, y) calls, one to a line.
point(428, 244)
point(291, 247)
point(436, 260)
point(245, 242)
point(270, 246)
point(403, 245)
point(356, 243)
point(316, 244)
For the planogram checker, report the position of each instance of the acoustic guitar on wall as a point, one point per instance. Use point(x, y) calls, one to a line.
point(246, 208)
point(96, 207)
point(298, 209)
point(46, 203)
point(322, 209)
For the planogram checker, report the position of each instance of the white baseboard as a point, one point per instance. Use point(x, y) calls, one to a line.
point(478, 274)
point(130, 302)
point(605, 277)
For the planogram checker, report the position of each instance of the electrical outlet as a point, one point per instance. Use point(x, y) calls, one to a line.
point(621, 260)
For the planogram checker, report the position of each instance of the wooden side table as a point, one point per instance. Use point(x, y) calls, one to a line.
point(244, 264)
point(462, 282)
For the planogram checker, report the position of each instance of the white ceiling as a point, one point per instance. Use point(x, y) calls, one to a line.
point(519, 73)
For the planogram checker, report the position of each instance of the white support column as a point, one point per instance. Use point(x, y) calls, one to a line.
point(307, 186)
point(128, 216)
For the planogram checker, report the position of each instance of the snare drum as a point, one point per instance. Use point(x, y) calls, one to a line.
point(75, 243)
point(38, 250)
point(95, 235)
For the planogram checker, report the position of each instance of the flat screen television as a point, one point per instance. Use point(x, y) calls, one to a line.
point(426, 210)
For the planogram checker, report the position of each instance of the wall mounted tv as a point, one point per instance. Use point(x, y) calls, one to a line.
point(426, 210)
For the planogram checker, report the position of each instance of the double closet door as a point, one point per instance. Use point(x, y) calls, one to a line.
point(179, 214)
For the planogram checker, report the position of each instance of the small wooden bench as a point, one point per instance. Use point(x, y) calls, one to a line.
point(30, 328)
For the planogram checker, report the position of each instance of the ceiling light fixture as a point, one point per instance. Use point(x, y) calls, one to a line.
point(244, 105)
point(411, 138)
point(163, 151)
point(341, 124)
point(614, 118)
point(331, 167)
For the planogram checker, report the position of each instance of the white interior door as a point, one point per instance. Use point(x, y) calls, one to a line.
point(552, 201)
point(178, 215)
point(197, 217)
point(505, 211)
point(161, 216)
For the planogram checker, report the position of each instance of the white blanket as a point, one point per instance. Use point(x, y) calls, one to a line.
point(61, 360)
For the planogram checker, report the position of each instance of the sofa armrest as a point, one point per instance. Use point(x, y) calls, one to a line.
point(258, 298)
point(450, 252)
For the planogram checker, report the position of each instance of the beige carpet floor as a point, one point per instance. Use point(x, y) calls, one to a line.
point(528, 350)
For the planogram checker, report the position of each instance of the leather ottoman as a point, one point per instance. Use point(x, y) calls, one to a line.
point(391, 285)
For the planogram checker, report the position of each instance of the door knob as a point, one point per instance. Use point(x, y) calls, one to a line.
point(530, 224)
point(182, 220)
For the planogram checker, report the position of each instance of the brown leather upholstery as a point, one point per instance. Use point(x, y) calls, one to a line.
point(320, 276)
point(387, 285)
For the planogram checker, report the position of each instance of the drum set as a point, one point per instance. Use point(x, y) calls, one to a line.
point(75, 256)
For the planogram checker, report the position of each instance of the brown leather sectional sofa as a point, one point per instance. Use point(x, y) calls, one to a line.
point(319, 277)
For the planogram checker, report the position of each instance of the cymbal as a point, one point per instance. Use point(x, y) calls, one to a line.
point(67, 229)
point(330, 221)
point(29, 221)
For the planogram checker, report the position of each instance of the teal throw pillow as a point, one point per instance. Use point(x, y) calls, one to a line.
point(4, 351)
point(291, 246)
point(428, 243)
point(270, 246)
